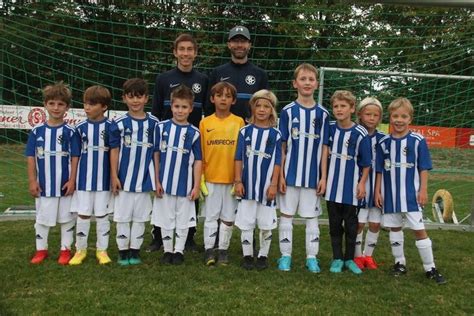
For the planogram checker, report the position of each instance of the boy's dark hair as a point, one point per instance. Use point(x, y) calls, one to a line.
point(57, 91)
point(136, 87)
point(97, 95)
point(185, 37)
point(221, 86)
point(182, 92)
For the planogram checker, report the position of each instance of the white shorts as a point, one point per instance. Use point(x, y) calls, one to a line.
point(303, 200)
point(251, 212)
point(414, 220)
point(132, 207)
point(52, 210)
point(220, 203)
point(88, 203)
point(371, 215)
point(172, 212)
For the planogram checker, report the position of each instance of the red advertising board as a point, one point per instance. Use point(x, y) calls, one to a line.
point(437, 137)
point(465, 138)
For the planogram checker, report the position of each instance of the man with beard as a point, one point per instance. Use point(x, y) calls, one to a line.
point(185, 51)
point(245, 76)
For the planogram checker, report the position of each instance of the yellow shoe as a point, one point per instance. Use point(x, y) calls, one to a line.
point(79, 256)
point(102, 257)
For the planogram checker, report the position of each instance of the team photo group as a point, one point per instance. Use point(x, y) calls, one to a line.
point(214, 146)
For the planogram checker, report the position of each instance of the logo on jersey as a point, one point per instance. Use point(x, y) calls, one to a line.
point(60, 139)
point(172, 85)
point(250, 80)
point(127, 140)
point(40, 152)
point(350, 143)
point(36, 116)
point(405, 151)
point(224, 78)
point(387, 164)
point(295, 132)
point(196, 88)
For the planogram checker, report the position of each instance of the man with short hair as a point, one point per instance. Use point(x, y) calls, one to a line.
point(239, 71)
point(185, 50)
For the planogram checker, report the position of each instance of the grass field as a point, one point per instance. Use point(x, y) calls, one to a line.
point(151, 288)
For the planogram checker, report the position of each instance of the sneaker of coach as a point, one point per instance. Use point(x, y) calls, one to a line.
point(78, 257)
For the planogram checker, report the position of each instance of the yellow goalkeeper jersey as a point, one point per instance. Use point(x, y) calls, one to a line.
point(219, 142)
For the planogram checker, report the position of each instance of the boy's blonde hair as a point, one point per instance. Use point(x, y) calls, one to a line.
point(401, 102)
point(345, 95)
point(57, 91)
point(270, 97)
point(97, 95)
point(369, 101)
point(307, 67)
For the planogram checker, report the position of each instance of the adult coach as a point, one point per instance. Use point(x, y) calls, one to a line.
point(185, 51)
point(239, 71)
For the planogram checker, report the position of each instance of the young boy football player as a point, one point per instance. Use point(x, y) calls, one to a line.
point(401, 187)
point(219, 133)
point(257, 168)
point(177, 173)
point(132, 172)
point(52, 154)
point(349, 165)
point(93, 176)
point(304, 127)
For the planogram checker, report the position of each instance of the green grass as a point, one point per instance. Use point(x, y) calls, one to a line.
point(151, 288)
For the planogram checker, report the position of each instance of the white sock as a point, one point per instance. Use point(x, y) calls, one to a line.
point(123, 236)
point(312, 237)
point(396, 242)
point(285, 232)
point(246, 239)
point(103, 232)
point(137, 235)
point(67, 235)
point(370, 243)
point(42, 233)
point(180, 239)
point(167, 237)
point(358, 247)
point(210, 234)
point(426, 253)
point(82, 232)
point(225, 234)
point(265, 237)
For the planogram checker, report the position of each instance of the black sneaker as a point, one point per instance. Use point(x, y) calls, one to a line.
point(134, 257)
point(223, 257)
point(435, 275)
point(399, 269)
point(191, 246)
point(262, 263)
point(209, 258)
point(178, 259)
point(155, 245)
point(166, 258)
point(247, 263)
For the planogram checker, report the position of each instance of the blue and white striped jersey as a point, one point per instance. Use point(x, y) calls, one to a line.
point(349, 152)
point(370, 184)
point(93, 173)
point(179, 147)
point(305, 131)
point(400, 161)
point(52, 148)
point(259, 149)
point(135, 138)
